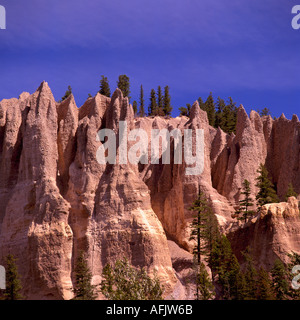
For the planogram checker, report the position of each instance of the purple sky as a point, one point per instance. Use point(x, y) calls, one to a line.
point(243, 49)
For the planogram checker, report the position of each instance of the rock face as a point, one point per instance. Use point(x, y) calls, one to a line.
point(56, 199)
point(271, 235)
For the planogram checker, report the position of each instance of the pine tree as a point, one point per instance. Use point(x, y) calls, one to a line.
point(201, 104)
point(13, 283)
point(83, 289)
point(290, 192)
point(124, 85)
point(246, 203)
point(264, 286)
point(219, 113)
point(266, 193)
point(153, 109)
point(204, 284)
point(229, 117)
point(185, 111)
point(279, 280)
point(134, 107)
point(201, 233)
point(160, 101)
point(104, 86)
point(250, 276)
point(124, 282)
point(67, 94)
point(210, 109)
point(142, 102)
point(167, 108)
point(264, 112)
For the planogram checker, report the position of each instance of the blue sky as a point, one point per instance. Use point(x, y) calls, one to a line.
point(243, 49)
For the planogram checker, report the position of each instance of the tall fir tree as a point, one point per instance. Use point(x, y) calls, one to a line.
point(264, 286)
point(83, 289)
point(245, 204)
point(210, 109)
point(279, 280)
point(266, 192)
point(124, 85)
point(201, 104)
point(142, 102)
point(134, 107)
point(160, 101)
point(104, 87)
point(250, 276)
point(229, 117)
point(219, 113)
point(153, 108)
point(13, 282)
point(185, 111)
point(290, 192)
point(167, 108)
point(200, 233)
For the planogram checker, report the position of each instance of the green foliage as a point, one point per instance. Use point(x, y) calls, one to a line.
point(13, 282)
point(142, 102)
point(153, 108)
point(124, 282)
point(83, 289)
point(167, 108)
point(124, 85)
point(209, 107)
point(244, 212)
point(205, 288)
point(279, 280)
point(67, 94)
point(226, 269)
point(264, 112)
point(219, 113)
point(229, 117)
point(160, 103)
point(266, 193)
point(134, 107)
point(185, 111)
point(264, 289)
point(290, 192)
point(104, 86)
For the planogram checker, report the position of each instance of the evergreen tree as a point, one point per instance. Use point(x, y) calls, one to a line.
point(185, 111)
point(104, 87)
point(290, 192)
point(83, 289)
point(201, 233)
point(124, 282)
point(67, 94)
point(246, 203)
point(204, 284)
point(201, 104)
point(160, 102)
point(264, 112)
point(264, 286)
point(142, 102)
point(134, 107)
point(229, 117)
point(124, 85)
point(266, 193)
point(226, 269)
point(279, 280)
point(153, 109)
point(13, 282)
point(167, 102)
point(219, 113)
point(250, 276)
point(210, 109)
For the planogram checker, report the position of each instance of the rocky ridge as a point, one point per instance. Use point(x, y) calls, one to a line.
point(56, 199)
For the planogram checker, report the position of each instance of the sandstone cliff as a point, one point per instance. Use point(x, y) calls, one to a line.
point(56, 199)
